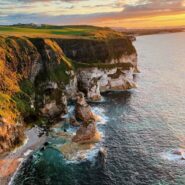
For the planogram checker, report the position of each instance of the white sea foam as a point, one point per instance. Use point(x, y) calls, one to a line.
point(100, 112)
point(70, 111)
point(171, 156)
point(15, 173)
point(28, 152)
point(85, 155)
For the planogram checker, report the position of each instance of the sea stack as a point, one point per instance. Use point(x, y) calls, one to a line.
point(83, 111)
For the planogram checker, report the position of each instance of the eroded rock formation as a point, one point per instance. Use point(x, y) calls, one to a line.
point(95, 80)
point(83, 111)
point(86, 132)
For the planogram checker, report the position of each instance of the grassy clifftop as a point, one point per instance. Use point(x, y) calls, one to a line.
point(44, 31)
point(89, 44)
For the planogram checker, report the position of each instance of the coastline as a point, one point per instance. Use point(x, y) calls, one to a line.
point(10, 163)
point(158, 33)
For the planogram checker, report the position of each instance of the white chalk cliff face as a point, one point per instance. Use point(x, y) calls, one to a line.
point(71, 88)
point(127, 59)
point(93, 81)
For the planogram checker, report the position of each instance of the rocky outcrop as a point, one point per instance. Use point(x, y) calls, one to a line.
point(86, 132)
point(93, 81)
point(101, 158)
point(83, 111)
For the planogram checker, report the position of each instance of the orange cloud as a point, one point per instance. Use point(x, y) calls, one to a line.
point(152, 21)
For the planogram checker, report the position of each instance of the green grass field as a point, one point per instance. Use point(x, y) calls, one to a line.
point(58, 31)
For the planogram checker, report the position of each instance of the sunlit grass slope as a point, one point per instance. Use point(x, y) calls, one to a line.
point(43, 31)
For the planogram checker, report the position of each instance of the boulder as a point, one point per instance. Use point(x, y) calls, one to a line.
point(101, 158)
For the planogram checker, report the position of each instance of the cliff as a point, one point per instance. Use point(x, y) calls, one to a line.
point(39, 75)
point(96, 51)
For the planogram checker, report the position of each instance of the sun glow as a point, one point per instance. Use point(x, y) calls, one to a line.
point(146, 21)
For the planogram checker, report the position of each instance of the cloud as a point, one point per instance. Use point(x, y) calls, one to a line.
point(154, 5)
point(145, 8)
point(85, 11)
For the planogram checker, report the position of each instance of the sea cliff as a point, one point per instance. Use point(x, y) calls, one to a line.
point(39, 75)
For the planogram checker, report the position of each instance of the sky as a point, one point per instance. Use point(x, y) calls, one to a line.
point(111, 13)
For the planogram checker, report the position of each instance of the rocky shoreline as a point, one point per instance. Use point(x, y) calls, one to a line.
point(9, 163)
point(86, 135)
point(84, 122)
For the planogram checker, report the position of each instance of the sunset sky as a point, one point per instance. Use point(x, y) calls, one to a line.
point(112, 13)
